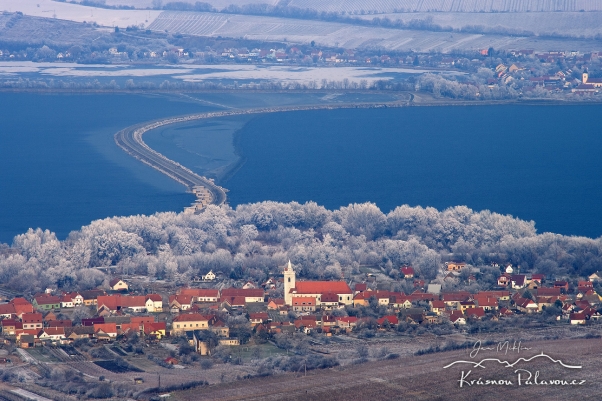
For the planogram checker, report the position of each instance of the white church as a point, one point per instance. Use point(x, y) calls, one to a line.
point(313, 289)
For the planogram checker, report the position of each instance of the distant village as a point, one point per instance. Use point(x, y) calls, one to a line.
point(200, 312)
point(515, 73)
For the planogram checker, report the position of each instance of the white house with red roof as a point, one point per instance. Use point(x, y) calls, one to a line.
point(313, 289)
point(154, 303)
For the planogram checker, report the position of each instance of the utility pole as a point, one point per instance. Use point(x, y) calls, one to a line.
point(159, 385)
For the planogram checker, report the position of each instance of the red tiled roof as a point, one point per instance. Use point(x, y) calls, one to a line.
point(300, 301)
point(155, 297)
point(321, 287)
point(114, 281)
point(239, 292)
point(361, 287)
point(31, 318)
point(329, 297)
point(53, 331)
point(6, 309)
point(115, 302)
point(407, 270)
point(47, 299)
point(438, 304)
point(478, 312)
point(142, 319)
point(191, 317)
point(234, 301)
point(392, 319)
point(109, 328)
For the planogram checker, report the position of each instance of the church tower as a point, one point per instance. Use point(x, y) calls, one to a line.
point(585, 77)
point(289, 283)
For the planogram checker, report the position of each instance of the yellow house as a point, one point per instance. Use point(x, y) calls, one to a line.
point(453, 266)
point(189, 322)
point(118, 284)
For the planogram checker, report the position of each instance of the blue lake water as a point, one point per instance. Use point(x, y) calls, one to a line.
point(59, 166)
point(538, 163)
point(60, 169)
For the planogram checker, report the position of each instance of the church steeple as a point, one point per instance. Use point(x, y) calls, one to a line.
point(289, 283)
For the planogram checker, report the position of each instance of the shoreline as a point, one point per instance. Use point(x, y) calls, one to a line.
point(425, 98)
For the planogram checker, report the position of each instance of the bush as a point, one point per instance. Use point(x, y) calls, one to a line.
point(206, 364)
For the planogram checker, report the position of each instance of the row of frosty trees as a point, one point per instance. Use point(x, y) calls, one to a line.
point(251, 241)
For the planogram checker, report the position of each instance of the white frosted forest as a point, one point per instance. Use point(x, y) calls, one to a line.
point(252, 240)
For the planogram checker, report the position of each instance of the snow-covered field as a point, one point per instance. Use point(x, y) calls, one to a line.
point(390, 6)
point(197, 73)
point(78, 13)
point(568, 23)
point(474, 6)
point(344, 35)
point(330, 33)
point(217, 4)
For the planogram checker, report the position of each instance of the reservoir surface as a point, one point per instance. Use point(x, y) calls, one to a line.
point(538, 163)
point(60, 169)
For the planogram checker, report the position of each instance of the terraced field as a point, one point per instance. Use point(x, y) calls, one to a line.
point(425, 378)
point(347, 36)
point(568, 23)
point(467, 6)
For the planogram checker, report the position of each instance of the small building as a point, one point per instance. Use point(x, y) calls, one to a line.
point(304, 304)
point(407, 271)
point(47, 302)
point(453, 266)
point(118, 284)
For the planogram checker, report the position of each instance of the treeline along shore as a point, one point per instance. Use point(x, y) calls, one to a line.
point(207, 192)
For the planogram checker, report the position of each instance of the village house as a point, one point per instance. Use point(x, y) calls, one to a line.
point(407, 271)
point(258, 318)
point(155, 330)
point(105, 331)
point(118, 302)
point(90, 296)
point(438, 307)
point(526, 305)
point(7, 311)
point(577, 318)
point(453, 266)
point(52, 333)
point(179, 303)
point(249, 295)
point(66, 301)
point(32, 321)
point(400, 301)
point(304, 304)
point(10, 326)
point(118, 284)
point(275, 303)
point(154, 303)
point(47, 302)
point(189, 322)
point(201, 294)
